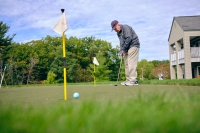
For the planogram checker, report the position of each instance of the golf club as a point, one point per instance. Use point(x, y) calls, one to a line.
point(119, 71)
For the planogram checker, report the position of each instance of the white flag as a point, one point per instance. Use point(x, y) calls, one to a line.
point(95, 61)
point(61, 25)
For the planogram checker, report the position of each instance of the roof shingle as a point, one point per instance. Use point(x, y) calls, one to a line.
point(188, 23)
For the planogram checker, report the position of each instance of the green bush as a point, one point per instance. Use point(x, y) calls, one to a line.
point(50, 78)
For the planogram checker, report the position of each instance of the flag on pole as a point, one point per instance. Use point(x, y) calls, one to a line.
point(95, 61)
point(60, 28)
point(61, 25)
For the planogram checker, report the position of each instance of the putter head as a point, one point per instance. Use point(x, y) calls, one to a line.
point(115, 85)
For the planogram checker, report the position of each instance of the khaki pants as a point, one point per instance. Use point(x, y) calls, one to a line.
point(131, 60)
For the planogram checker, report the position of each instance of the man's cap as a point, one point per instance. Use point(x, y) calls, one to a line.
point(114, 24)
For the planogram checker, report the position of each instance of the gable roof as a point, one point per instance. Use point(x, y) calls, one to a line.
point(187, 23)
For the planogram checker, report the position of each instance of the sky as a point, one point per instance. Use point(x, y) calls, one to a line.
point(150, 19)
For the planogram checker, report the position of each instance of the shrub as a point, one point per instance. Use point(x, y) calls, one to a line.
point(50, 78)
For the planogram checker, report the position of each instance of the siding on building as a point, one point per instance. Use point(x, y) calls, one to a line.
point(183, 29)
point(176, 33)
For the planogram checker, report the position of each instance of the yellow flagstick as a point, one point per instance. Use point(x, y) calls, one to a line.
point(95, 63)
point(94, 76)
point(64, 61)
point(65, 72)
point(60, 27)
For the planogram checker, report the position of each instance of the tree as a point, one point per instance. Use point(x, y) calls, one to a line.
point(144, 67)
point(161, 69)
point(4, 40)
point(21, 63)
point(101, 72)
point(158, 62)
point(45, 50)
point(33, 60)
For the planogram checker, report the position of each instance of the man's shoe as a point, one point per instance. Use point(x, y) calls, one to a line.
point(131, 83)
point(124, 83)
point(136, 83)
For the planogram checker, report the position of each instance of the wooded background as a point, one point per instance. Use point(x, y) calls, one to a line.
point(41, 61)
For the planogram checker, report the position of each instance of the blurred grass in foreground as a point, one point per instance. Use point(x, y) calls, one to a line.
point(145, 113)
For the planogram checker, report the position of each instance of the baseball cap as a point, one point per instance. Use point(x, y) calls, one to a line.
point(113, 24)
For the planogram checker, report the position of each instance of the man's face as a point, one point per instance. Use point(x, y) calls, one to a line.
point(117, 28)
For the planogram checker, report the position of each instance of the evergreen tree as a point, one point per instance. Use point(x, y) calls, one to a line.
point(5, 40)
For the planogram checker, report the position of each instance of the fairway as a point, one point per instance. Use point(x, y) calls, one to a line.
point(48, 95)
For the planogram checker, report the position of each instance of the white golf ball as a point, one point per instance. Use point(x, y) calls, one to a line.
point(76, 95)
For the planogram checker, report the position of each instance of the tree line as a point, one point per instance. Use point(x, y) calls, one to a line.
point(41, 61)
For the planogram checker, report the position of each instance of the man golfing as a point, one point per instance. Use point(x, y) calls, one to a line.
point(129, 49)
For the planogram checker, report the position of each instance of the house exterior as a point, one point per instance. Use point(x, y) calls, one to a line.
point(184, 47)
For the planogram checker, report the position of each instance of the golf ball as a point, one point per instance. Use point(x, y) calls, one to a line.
point(76, 95)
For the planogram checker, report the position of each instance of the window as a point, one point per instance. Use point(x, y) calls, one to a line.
point(198, 70)
point(182, 46)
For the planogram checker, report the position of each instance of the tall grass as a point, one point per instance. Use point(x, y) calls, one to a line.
point(145, 113)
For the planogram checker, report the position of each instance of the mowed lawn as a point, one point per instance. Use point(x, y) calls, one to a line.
point(44, 95)
point(100, 108)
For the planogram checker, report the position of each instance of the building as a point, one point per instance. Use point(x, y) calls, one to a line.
point(184, 47)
